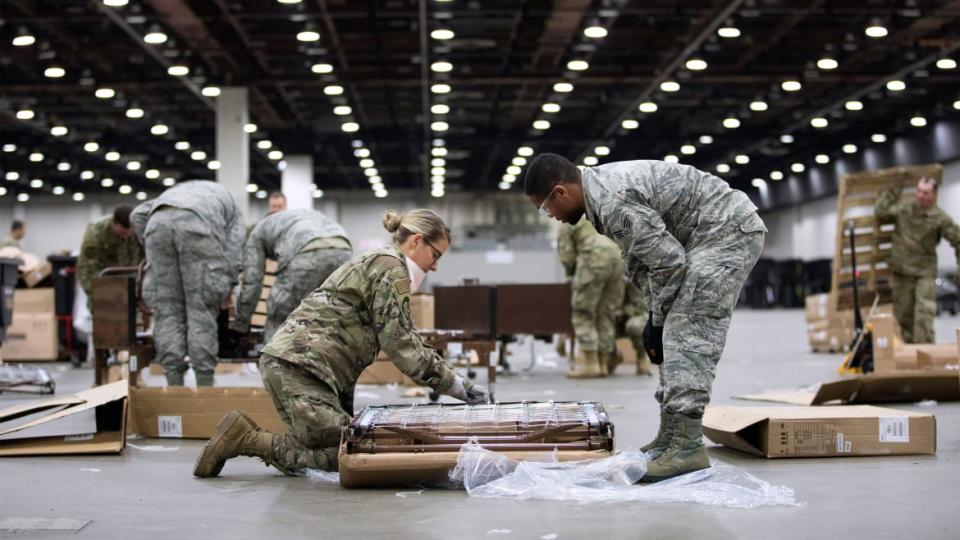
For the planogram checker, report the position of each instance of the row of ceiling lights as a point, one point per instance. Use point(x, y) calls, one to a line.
point(439, 110)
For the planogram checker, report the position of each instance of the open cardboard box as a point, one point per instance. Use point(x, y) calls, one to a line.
point(782, 432)
point(32, 436)
point(891, 354)
point(901, 386)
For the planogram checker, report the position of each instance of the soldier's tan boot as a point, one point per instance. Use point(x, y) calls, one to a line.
point(587, 366)
point(664, 435)
point(684, 454)
point(237, 435)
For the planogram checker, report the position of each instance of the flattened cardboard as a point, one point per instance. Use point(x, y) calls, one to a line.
point(901, 386)
point(194, 413)
point(784, 432)
point(109, 403)
point(384, 371)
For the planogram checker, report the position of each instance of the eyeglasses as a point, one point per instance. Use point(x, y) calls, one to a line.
point(543, 206)
point(436, 252)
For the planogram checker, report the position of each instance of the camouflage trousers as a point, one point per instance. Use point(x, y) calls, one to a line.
point(304, 273)
point(313, 413)
point(915, 306)
point(633, 328)
point(187, 278)
point(695, 330)
point(597, 293)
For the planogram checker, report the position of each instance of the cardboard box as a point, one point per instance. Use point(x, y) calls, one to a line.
point(938, 356)
point(817, 306)
point(194, 413)
point(422, 311)
point(32, 337)
point(34, 300)
point(903, 386)
point(108, 402)
point(782, 432)
point(384, 371)
point(35, 275)
point(221, 369)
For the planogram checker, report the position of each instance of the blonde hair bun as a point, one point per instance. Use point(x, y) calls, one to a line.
point(392, 220)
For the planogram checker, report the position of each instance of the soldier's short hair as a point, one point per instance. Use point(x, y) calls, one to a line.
point(930, 180)
point(546, 171)
point(277, 195)
point(421, 221)
point(121, 215)
point(16, 225)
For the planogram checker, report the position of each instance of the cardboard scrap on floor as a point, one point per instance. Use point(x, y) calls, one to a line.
point(108, 402)
point(783, 432)
point(194, 413)
point(901, 386)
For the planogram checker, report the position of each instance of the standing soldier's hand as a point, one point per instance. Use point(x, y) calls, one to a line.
point(653, 341)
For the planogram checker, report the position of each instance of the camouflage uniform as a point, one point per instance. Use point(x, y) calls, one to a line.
point(635, 316)
point(913, 262)
point(692, 240)
point(193, 234)
point(311, 365)
point(101, 249)
point(10, 242)
point(595, 264)
point(307, 245)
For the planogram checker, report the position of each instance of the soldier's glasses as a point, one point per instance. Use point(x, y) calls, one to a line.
point(543, 206)
point(436, 252)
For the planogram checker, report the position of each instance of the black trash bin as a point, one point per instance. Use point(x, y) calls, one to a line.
point(8, 282)
point(64, 276)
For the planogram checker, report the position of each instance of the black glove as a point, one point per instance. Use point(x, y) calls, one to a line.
point(653, 341)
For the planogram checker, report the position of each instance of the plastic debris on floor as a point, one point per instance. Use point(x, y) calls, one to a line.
point(488, 474)
point(323, 476)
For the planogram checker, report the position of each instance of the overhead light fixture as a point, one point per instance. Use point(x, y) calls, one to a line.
point(23, 39)
point(54, 72)
point(59, 131)
point(896, 85)
point(265, 144)
point(595, 32)
point(741, 159)
point(261, 194)
point(519, 161)
point(250, 128)
point(380, 194)
point(758, 106)
point(525, 151)
point(798, 168)
point(438, 152)
point(36, 183)
point(317, 193)
point(819, 122)
point(210, 91)
point(853, 105)
point(141, 196)
point(78, 196)
point(106, 182)
point(213, 165)
point(514, 170)
point(288, 2)
point(541, 125)
point(350, 127)
point(252, 188)
point(36, 157)
point(849, 149)
point(758, 182)
point(342, 110)
point(115, 3)
point(875, 30)
point(671, 158)
point(731, 123)
point(12, 176)
point(169, 181)
point(322, 68)
point(878, 138)
point(435, 171)
point(442, 33)
point(23, 197)
point(86, 175)
point(333, 90)
point(578, 65)
point(155, 38)
point(159, 129)
point(134, 112)
point(590, 161)
point(629, 123)
point(563, 87)
point(550, 108)
point(63, 166)
point(822, 159)
point(372, 171)
point(366, 163)
point(440, 88)
point(198, 155)
point(275, 155)
point(178, 71)
point(648, 107)
point(723, 168)
point(125, 189)
point(786, 138)
point(441, 67)
point(776, 175)
point(670, 86)
point(706, 139)
point(728, 32)
point(602, 150)
point(947, 63)
point(9, 147)
point(511, 178)
point(182, 145)
point(152, 174)
point(440, 108)
point(696, 64)
point(112, 156)
point(827, 63)
point(688, 149)
point(25, 114)
point(361, 153)
point(134, 165)
point(918, 121)
point(308, 36)
point(105, 93)
point(791, 86)
point(440, 162)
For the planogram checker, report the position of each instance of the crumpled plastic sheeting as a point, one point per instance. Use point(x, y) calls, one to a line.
point(491, 475)
point(323, 476)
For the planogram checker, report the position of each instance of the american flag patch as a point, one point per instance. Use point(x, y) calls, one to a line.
point(402, 286)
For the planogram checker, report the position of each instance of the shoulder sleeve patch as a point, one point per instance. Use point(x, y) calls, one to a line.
point(402, 286)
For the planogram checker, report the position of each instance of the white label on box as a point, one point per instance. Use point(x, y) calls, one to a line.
point(133, 364)
point(77, 438)
point(843, 445)
point(170, 426)
point(895, 429)
point(455, 348)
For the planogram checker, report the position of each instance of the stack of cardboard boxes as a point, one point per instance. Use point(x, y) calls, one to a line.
point(32, 334)
point(830, 330)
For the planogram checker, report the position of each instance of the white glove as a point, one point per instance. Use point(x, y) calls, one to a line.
point(466, 391)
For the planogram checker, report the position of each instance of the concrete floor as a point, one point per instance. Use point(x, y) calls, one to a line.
point(152, 494)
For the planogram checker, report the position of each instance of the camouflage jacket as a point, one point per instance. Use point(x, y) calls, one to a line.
point(9, 242)
point(101, 249)
point(280, 236)
point(212, 203)
point(657, 212)
point(917, 234)
point(363, 307)
point(582, 243)
point(634, 302)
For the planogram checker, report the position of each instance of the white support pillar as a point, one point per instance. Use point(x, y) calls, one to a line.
point(233, 144)
point(296, 182)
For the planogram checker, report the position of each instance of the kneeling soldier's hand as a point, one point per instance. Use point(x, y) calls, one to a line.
point(466, 391)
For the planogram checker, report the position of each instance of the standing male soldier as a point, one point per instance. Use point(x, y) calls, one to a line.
point(913, 259)
point(307, 245)
point(193, 234)
point(635, 314)
point(693, 240)
point(17, 231)
point(107, 242)
point(594, 264)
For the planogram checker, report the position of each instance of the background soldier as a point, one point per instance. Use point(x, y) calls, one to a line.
point(307, 245)
point(193, 234)
point(18, 230)
point(277, 202)
point(913, 259)
point(107, 242)
point(634, 312)
point(594, 264)
point(694, 240)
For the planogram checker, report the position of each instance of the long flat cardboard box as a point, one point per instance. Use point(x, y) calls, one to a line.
point(108, 402)
point(784, 432)
point(901, 386)
point(194, 413)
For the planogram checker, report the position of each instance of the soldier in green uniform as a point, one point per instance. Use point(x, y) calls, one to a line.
point(691, 240)
point(107, 242)
point(920, 226)
point(18, 230)
point(307, 245)
point(593, 263)
point(311, 365)
point(634, 313)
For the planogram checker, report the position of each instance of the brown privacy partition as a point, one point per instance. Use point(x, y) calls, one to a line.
point(503, 310)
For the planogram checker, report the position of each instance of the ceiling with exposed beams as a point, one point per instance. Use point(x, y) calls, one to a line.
point(760, 94)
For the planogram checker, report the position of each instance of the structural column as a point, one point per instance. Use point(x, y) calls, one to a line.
point(297, 182)
point(233, 144)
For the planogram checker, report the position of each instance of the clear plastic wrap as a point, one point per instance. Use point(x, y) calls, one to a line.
point(322, 476)
point(488, 474)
